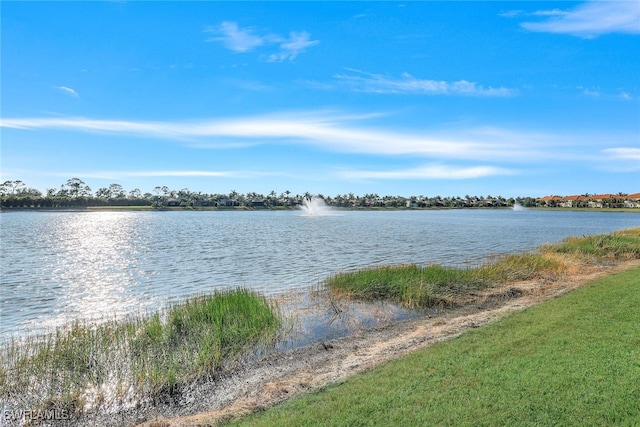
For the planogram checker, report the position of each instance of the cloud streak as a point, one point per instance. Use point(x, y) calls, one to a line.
point(68, 91)
point(432, 172)
point(621, 159)
point(153, 174)
point(243, 40)
point(179, 173)
point(361, 81)
point(590, 19)
point(326, 131)
point(625, 153)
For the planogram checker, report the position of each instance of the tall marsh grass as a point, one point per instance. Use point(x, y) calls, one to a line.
point(413, 285)
point(433, 285)
point(145, 356)
point(622, 244)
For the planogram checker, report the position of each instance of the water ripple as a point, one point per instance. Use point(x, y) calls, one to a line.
point(60, 266)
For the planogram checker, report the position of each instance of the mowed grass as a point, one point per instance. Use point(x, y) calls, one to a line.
point(436, 285)
point(141, 357)
point(574, 361)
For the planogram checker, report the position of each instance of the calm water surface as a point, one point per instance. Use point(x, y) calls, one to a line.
point(61, 266)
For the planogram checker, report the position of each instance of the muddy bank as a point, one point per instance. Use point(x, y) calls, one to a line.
point(259, 384)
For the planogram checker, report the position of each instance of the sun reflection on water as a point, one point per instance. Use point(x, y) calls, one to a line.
point(92, 259)
point(57, 267)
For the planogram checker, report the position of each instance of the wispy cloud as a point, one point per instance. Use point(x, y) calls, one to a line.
point(292, 47)
point(510, 13)
point(621, 159)
point(552, 12)
point(625, 95)
point(178, 173)
point(431, 172)
point(68, 91)
point(590, 92)
point(328, 131)
point(626, 153)
point(451, 153)
point(597, 92)
point(244, 40)
point(362, 81)
point(590, 20)
point(118, 175)
point(235, 38)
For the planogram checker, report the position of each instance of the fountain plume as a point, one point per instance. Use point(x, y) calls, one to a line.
point(315, 206)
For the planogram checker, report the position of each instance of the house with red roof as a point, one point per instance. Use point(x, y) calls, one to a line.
point(632, 201)
point(594, 201)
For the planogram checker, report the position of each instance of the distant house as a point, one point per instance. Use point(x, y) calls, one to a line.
point(599, 200)
point(550, 201)
point(595, 201)
point(574, 201)
point(173, 202)
point(632, 201)
point(228, 202)
point(490, 202)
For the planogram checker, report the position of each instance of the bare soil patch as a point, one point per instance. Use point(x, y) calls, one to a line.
point(281, 376)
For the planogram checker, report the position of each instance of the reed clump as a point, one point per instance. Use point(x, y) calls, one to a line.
point(622, 244)
point(427, 286)
point(524, 266)
point(145, 356)
point(413, 285)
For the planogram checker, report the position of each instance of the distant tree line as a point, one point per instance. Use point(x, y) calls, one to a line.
point(75, 193)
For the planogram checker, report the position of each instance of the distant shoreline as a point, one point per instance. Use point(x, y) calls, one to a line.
point(281, 208)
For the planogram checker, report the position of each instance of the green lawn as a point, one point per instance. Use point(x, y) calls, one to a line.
point(573, 361)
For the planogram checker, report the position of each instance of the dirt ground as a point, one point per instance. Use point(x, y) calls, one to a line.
point(284, 375)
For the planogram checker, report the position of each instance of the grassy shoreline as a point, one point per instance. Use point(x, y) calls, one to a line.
point(435, 285)
point(87, 366)
point(570, 361)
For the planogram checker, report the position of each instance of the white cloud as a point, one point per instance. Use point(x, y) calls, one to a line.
point(453, 153)
point(625, 95)
point(625, 153)
point(621, 160)
point(179, 173)
point(244, 40)
point(146, 174)
point(328, 131)
point(510, 13)
point(431, 172)
point(68, 91)
point(553, 12)
point(590, 92)
point(295, 45)
point(591, 19)
point(377, 83)
point(234, 38)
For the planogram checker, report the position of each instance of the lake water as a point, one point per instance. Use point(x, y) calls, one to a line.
point(61, 266)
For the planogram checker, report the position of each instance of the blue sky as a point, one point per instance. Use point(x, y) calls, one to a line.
point(409, 98)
